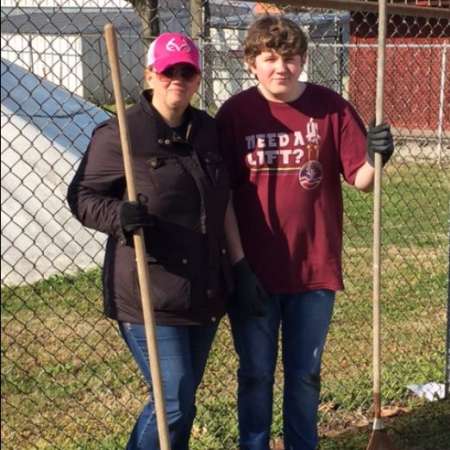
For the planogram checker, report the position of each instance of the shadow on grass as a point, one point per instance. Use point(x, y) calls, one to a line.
point(424, 428)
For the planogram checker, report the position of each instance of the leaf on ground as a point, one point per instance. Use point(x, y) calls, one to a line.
point(391, 411)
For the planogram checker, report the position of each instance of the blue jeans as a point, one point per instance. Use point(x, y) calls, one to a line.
point(304, 320)
point(183, 352)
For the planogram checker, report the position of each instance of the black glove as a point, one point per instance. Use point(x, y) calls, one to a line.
point(250, 297)
point(379, 140)
point(133, 215)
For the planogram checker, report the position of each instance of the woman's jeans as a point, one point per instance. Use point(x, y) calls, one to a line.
point(304, 320)
point(183, 351)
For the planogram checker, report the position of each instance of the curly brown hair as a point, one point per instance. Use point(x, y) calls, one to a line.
point(274, 33)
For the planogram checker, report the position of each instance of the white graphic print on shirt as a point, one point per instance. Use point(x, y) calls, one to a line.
point(293, 151)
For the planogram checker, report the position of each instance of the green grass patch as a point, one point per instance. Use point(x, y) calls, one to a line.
point(68, 382)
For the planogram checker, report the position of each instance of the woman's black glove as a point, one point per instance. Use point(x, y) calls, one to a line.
point(133, 215)
point(379, 140)
point(250, 297)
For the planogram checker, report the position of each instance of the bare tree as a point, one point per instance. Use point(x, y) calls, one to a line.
point(147, 10)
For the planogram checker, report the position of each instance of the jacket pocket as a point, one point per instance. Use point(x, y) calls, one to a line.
point(215, 168)
point(164, 172)
point(169, 289)
point(227, 271)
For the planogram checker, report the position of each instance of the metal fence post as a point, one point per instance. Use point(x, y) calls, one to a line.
point(447, 348)
point(441, 102)
point(196, 10)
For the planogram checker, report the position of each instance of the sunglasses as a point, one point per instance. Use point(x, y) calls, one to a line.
point(186, 72)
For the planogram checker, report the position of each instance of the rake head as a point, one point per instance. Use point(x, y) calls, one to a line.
point(380, 441)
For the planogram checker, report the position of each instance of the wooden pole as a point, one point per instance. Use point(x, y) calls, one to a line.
point(139, 244)
point(379, 439)
point(379, 101)
point(196, 19)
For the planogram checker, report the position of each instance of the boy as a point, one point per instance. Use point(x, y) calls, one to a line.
point(287, 143)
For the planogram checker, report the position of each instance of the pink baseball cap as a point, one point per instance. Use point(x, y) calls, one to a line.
point(172, 48)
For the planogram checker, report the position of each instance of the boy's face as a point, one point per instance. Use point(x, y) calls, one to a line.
point(278, 75)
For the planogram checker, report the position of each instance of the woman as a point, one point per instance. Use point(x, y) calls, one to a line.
point(183, 194)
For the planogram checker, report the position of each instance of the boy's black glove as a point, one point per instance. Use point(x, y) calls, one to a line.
point(133, 215)
point(379, 140)
point(250, 297)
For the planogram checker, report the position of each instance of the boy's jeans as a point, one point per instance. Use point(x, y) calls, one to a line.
point(304, 320)
point(183, 352)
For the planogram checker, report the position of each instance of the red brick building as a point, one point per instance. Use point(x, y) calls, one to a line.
point(416, 70)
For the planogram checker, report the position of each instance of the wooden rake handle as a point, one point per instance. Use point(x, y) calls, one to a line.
point(377, 212)
point(139, 245)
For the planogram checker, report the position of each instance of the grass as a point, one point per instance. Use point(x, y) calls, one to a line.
point(69, 383)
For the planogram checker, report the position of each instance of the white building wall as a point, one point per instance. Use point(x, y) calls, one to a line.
point(55, 58)
point(45, 131)
point(65, 4)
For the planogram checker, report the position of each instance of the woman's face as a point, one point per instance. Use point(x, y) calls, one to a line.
point(173, 89)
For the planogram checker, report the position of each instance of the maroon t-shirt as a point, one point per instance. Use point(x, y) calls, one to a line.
point(285, 162)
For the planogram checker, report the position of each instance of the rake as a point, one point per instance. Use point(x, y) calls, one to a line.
point(379, 439)
point(139, 245)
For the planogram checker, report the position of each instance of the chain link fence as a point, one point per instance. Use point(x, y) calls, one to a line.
point(67, 380)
